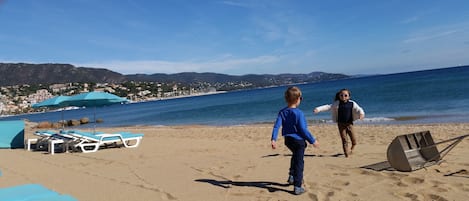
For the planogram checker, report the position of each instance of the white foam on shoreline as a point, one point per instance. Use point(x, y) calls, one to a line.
point(377, 119)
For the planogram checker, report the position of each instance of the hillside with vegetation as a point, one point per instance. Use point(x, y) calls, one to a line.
point(34, 74)
point(22, 73)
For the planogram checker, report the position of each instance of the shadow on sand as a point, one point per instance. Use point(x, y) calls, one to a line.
point(270, 186)
point(461, 173)
point(306, 155)
point(384, 165)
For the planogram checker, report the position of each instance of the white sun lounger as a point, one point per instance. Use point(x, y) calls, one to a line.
point(43, 136)
point(49, 139)
point(89, 142)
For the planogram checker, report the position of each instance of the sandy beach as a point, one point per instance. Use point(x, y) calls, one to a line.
point(237, 163)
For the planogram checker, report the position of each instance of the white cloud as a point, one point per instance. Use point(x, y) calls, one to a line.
point(236, 3)
point(429, 36)
point(410, 20)
point(286, 29)
point(455, 30)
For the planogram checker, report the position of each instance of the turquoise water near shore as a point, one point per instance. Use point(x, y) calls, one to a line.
point(432, 96)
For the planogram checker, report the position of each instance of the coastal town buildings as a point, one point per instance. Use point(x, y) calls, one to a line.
point(18, 99)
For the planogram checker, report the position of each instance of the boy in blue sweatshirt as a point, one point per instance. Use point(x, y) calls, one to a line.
point(295, 131)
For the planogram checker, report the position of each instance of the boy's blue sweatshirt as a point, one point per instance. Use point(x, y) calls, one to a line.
point(293, 123)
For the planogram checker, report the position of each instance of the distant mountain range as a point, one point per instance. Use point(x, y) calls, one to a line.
point(22, 73)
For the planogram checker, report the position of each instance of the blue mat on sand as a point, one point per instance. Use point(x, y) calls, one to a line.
point(32, 192)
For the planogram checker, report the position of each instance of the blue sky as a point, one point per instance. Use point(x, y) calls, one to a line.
point(237, 36)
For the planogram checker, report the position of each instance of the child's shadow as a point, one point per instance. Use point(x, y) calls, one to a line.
point(270, 186)
point(322, 155)
point(306, 155)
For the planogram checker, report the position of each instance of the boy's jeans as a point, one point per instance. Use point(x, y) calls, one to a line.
point(297, 147)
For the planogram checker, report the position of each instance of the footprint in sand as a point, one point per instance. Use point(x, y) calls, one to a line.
point(463, 187)
point(413, 180)
point(320, 196)
point(237, 176)
point(400, 184)
point(435, 197)
point(353, 194)
point(312, 185)
point(341, 174)
point(369, 172)
point(329, 195)
point(458, 185)
point(440, 187)
point(340, 183)
point(397, 178)
point(413, 197)
point(440, 190)
point(313, 197)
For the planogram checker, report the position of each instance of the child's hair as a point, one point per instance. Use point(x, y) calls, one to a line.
point(292, 94)
point(337, 95)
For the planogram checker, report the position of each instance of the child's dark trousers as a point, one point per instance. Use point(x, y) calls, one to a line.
point(297, 147)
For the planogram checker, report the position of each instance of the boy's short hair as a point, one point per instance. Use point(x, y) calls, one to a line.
point(292, 94)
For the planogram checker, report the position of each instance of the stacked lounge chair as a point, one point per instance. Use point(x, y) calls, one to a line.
point(90, 142)
point(85, 142)
point(48, 140)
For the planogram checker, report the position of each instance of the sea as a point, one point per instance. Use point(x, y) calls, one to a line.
point(420, 97)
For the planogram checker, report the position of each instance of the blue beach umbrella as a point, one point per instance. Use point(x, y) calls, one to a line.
point(54, 102)
point(94, 99)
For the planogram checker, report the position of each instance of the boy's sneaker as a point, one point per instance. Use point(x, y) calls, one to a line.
point(298, 190)
point(290, 180)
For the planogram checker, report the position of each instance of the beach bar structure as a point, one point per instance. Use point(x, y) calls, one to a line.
point(417, 150)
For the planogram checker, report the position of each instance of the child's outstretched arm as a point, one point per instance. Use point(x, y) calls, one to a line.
point(322, 108)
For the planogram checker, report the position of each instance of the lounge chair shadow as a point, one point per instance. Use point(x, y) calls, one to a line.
point(270, 186)
point(460, 173)
point(384, 165)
